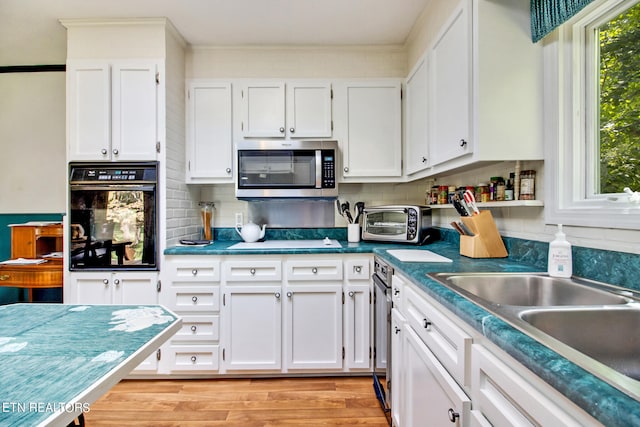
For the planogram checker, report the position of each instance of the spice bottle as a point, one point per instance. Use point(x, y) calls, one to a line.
point(508, 191)
point(527, 185)
point(443, 194)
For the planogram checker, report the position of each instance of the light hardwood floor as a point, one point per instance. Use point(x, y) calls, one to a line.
point(239, 402)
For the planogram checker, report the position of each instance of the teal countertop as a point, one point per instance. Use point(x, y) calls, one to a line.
point(607, 404)
point(57, 359)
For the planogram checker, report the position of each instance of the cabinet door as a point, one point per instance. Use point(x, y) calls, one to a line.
point(89, 110)
point(135, 288)
point(450, 89)
point(431, 395)
point(134, 112)
point(357, 327)
point(416, 119)
point(313, 326)
point(396, 386)
point(308, 110)
point(252, 317)
point(90, 288)
point(372, 143)
point(263, 110)
point(209, 132)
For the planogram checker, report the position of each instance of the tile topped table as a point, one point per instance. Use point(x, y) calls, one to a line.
point(57, 359)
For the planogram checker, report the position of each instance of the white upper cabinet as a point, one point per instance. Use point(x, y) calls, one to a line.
point(450, 87)
point(112, 110)
point(370, 129)
point(209, 132)
point(416, 119)
point(286, 110)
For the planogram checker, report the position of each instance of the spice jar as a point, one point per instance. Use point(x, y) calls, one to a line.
point(498, 188)
point(433, 199)
point(443, 195)
point(527, 185)
point(482, 192)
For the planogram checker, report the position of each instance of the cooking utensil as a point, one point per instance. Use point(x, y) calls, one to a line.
point(457, 227)
point(359, 210)
point(470, 201)
point(462, 210)
point(346, 213)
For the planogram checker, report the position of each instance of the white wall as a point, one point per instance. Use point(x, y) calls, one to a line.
point(32, 140)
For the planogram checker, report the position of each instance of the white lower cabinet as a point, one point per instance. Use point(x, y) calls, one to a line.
point(357, 315)
point(112, 288)
point(398, 371)
point(433, 397)
point(505, 398)
point(191, 289)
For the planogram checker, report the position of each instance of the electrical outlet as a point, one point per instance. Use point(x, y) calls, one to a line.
point(239, 218)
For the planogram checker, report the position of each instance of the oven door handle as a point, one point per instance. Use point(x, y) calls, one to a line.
point(117, 187)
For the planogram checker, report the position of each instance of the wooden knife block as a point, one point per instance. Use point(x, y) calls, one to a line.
point(486, 241)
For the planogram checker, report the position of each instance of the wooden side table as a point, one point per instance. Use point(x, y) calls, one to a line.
point(34, 240)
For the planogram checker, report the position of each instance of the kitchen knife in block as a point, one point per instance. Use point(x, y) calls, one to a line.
point(486, 241)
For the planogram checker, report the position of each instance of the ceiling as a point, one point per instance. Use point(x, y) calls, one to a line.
point(31, 27)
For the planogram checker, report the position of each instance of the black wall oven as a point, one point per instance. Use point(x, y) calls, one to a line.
point(113, 216)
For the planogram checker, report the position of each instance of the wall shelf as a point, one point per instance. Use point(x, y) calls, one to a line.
point(508, 204)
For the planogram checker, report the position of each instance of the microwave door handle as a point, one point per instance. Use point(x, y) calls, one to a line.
point(318, 168)
point(130, 187)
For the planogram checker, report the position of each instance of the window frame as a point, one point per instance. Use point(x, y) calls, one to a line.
point(571, 127)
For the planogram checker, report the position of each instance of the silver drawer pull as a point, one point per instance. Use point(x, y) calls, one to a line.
point(314, 270)
point(351, 294)
point(194, 328)
point(194, 299)
point(194, 272)
point(116, 282)
point(426, 323)
point(277, 294)
point(194, 359)
point(358, 269)
point(252, 271)
point(105, 281)
point(289, 294)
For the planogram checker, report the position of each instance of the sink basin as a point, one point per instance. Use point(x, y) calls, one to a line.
point(606, 335)
point(527, 289)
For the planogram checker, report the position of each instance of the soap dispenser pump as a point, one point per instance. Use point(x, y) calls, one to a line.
point(560, 263)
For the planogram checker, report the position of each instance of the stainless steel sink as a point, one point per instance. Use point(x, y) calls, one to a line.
point(608, 335)
point(528, 289)
point(592, 324)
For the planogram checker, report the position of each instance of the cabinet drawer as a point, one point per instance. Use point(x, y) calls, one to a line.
point(194, 299)
point(507, 399)
point(314, 270)
point(450, 344)
point(194, 358)
point(193, 270)
point(199, 328)
point(53, 231)
point(253, 271)
point(357, 269)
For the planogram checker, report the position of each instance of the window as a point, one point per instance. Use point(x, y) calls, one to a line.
point(592, 115)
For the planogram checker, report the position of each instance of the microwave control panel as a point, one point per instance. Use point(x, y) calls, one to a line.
point(328, 169)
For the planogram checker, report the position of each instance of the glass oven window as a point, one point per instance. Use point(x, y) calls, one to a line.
point(277, 168)
point(112, 228)
point(388, 223)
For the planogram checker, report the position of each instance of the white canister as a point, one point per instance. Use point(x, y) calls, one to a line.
point(353, 233)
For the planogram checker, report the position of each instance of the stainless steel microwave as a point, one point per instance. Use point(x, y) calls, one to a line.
point(281, 169)
point(398, 223)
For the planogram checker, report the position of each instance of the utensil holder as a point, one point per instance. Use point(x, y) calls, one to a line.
point(486, 241)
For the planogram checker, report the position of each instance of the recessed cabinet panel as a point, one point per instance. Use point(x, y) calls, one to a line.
point(199, 328)
point(194, 270)
point(194, 358)
point(253, 271)
point(308, 110)
point(450, 88)
point(416, 119)
point(209, 132)
point(195, 299)
point(314, 270)
point(264, 113)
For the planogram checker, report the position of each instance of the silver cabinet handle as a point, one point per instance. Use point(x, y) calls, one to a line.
point(426, 323)
point(116, 282)
point(396, 291)
point(314, 270)
point(277, 294)
point(289, 294)
point(282, 130)
point(358, 268)
point(424, 159)
point(351, 294)
point(194, 328)
point(346, 169)
point(194, 299)
point(105, 281)
point(397, 330)
point(453, 415)
point(228, 170)
point(463, 143)
point(115, 151)
point(252, 271)
point(194, 272)
point(194, 359)
point(103, 151)
point(292, 130)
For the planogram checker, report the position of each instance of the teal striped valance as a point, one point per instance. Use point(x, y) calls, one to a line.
point(546, 15)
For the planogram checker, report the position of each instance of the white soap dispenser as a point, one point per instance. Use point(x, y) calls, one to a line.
point(560, 263)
